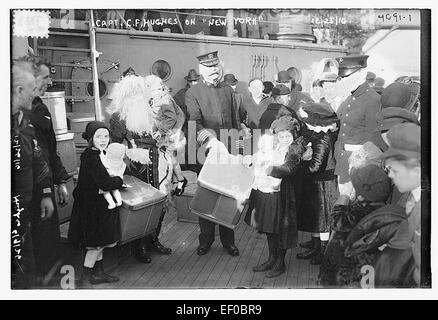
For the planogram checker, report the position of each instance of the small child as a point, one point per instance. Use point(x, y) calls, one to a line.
point(167, 128)
point(112, 159)
point(93, 226)
point(265, 206)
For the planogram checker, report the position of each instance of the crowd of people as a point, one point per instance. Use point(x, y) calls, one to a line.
point(346, 172)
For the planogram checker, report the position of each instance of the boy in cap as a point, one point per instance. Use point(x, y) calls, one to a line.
point(372, 187)
point(403, 161)
point(213, 108)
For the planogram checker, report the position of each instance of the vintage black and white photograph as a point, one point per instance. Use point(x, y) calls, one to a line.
point(189, 148)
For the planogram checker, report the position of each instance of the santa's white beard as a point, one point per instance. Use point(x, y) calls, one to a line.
point(137, 115)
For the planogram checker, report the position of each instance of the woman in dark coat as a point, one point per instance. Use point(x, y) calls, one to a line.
point(92, 224)
point(319, 184)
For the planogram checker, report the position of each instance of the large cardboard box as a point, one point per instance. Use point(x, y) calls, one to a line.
point(217, 207)
point(224, 188)
point(184, 213)
point(141, 209)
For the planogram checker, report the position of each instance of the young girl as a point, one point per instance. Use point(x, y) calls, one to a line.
point(266, 207)
point(92, 224)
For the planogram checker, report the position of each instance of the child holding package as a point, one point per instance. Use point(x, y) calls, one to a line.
point(94, 226)
point(265, 208)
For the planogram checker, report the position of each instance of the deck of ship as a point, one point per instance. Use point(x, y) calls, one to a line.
point(184, 269)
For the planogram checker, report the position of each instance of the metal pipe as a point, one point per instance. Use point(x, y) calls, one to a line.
point(94, 55)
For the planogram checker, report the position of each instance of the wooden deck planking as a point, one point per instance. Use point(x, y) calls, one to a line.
point(242, 264)
point(136, 269)
point(230, 268)
point(200, 263)
point(303, 269)
point(223, 262)
point(260, 241)
point(181, 256)
point(142, 280)
point(181, 247)
point(257, 279)
point(217, 269)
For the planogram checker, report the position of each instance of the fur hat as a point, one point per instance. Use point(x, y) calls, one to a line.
point(287, 123)
point(371, 182)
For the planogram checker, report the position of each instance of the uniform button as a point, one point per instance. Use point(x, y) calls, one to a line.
point(346, 115)
point(345, 124)
point(349, 106)
point(343, 134)
point(354, 98)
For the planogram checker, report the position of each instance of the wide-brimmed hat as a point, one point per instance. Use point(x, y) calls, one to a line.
point(192, 75)
point(317, 114)
point(230, 79)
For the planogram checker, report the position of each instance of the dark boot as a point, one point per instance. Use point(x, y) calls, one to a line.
point(141, 253)
point(279, 266)
point(157, 246)
point(84, 280)
point(153, 241)
point(308, 244)
point(311, 252)
point(272, 246)
point(99, 276)
point(317, 260)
